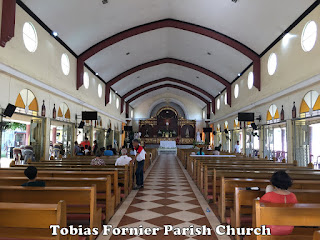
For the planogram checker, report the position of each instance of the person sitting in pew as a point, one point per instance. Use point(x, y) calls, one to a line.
point(98, 161)
point(216, 151)
point(278, 193)
point(108, 152)
point(31, 173)
point(77, 149)
point(124, 159)
point(87, 150)
point(200, 152)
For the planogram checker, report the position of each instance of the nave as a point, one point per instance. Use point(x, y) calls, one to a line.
point(169, 197)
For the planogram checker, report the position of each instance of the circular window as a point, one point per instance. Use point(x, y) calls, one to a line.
point(236, 91)
point(131, 113)
point(117, 103)
point(86, 80)
point(272, 63)
point(110, 98)
point(225, 98)
point(65, 64)
point(309, 36)
point(30, 37)
point(218, 104)
point(99, 90)
point(250, 80)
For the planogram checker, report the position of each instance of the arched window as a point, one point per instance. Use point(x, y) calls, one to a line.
point(226, 125)
point(236, 124)
point(273, 114)
point(310, 105)
point(27, 103)
point(64, 112)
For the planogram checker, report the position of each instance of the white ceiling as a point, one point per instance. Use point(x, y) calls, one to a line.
point(84, 23)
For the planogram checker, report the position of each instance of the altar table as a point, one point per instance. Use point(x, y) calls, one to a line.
point(168, 144)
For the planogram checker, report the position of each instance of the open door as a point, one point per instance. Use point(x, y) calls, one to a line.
point(302, 143)
point(37, 137)
point(67, 139)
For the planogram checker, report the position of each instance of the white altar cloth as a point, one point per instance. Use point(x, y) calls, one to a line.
point(168, 144)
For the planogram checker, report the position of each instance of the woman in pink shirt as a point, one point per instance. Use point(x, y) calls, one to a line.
point(278, 193)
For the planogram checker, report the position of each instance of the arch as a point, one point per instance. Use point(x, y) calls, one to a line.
point(218, 127)
point(64, 111)
point(172, 61)
point(226, 125)
point(169, 86)
point(173, 24)
point(27, 100)
point(167, 79)
point(310, 102)
point(273, 114)
point(171, 100)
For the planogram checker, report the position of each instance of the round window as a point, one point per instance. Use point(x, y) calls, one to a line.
point(65, 64)
point(86, 80)
point(218, 104)
point(99, 90)
point(225, 98)
point(30, 37)
point(309, 36)
point(272, 63)
point(117, 103)
point(250, 80)
point(236, 91)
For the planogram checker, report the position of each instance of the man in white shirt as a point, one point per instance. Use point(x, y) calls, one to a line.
point(237, 148)
point(124, 159)
point(140, 154)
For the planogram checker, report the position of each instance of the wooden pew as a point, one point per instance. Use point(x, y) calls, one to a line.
point(316, 235)
point(27, 220)
point(69, 173)
point(103, 186)
point(300, 214)
point(243, 203)
point(228, 185)
point(258, 174)
point(79, 200)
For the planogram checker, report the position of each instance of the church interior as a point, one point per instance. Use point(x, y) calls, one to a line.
point(160, 119)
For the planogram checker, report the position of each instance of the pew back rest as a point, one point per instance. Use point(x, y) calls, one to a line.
point(299, 214)
point(16, 218)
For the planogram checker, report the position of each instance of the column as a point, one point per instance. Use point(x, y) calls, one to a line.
point(244, 136)
point(28, 134)
point(46, 140)
point(54, 135)
point(290, 141)
point(261, 142)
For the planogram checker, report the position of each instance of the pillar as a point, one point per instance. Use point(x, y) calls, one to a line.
point(261, 142)
point(54, 135)
point(243, 138)
point(28, 134)
point(91, 135)
point(290, 141)
point(46, 140)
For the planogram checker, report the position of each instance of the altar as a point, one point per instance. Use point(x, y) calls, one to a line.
point(168, 144)
point(168, 129)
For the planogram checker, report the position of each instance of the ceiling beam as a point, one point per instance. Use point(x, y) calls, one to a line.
point(168, 79)
point(172, 23)
point(168, 86)
point(7, 21)
point(192, 66)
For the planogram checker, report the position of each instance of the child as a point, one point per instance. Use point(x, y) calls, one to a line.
point(31, 173)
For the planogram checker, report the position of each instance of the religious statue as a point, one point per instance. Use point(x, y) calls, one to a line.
point(187, 133)
point(198, 137)
point(147, 135)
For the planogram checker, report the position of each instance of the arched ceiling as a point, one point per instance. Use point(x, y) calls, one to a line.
point(250, 26)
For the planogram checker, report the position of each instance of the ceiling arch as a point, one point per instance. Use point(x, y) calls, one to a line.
point(169, 86)
point(171, 100)
point(172, 23)
point(171, 61)
point(168, 79)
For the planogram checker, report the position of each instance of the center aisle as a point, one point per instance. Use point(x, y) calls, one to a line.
point(166, 199)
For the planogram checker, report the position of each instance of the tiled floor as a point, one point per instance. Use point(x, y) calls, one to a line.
point(167, 199)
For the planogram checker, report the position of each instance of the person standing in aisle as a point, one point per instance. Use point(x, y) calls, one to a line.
point(140, 156)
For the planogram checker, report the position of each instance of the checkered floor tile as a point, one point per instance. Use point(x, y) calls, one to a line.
point(166, 199)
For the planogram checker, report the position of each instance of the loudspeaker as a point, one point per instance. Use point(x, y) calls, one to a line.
point(226, 131)
point(8, 112)
point(81, 124)
point(254, 126)
point(109, 130)
point(214, 132)
point(206, 130)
